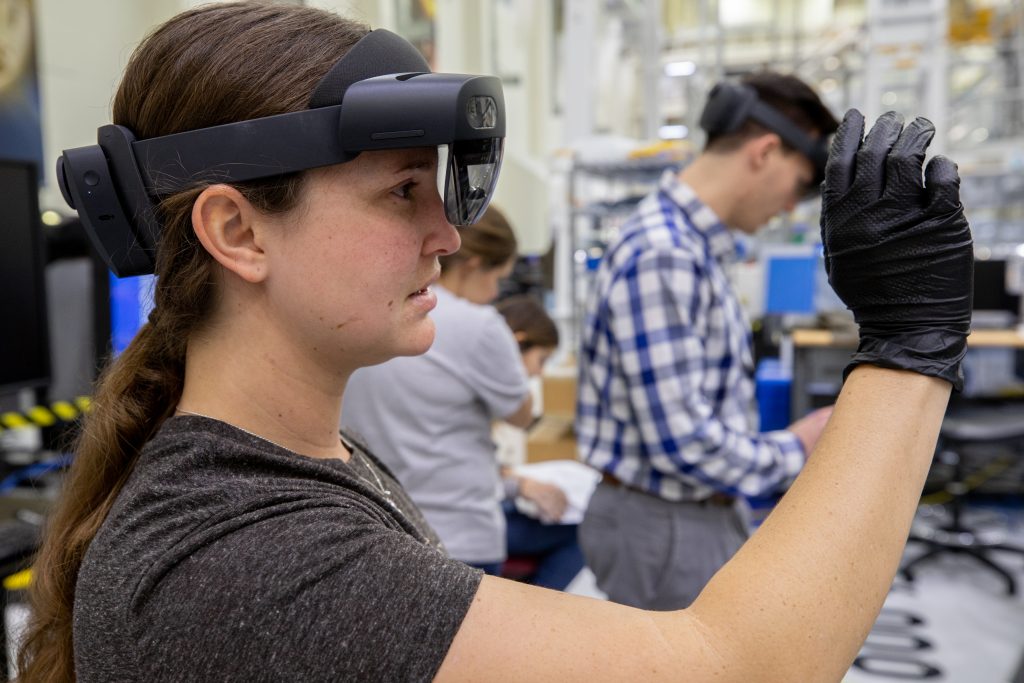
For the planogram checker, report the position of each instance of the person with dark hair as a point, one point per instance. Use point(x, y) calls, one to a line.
point(666, 392)
point(215, 526)
point(428, 417)
point(533, 328)
point(787, 95)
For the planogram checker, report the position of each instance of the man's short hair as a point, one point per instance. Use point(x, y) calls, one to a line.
point(791, 97)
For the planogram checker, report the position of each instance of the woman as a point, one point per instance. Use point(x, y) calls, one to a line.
point(428, 417)
point(254, 544)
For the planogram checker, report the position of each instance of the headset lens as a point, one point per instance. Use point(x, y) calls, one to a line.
point(471, 172)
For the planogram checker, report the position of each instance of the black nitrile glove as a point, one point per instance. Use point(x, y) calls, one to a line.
point(898, 251)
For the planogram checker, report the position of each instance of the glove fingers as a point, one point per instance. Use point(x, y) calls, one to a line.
point(840, 167)
point(903, 164)
point(871, 159)
point(943, 185)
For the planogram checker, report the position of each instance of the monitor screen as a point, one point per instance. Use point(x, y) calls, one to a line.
point(131, 300)
point(990, 287)
point(24, 339)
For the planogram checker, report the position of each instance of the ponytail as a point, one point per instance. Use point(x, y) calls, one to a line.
point(133, 397)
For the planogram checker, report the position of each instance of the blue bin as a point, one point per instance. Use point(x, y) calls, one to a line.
point(772, 387)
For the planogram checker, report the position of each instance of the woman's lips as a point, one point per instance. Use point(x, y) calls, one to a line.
point(424, 298)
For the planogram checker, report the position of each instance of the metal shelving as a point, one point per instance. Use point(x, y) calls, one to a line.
point(601, 196)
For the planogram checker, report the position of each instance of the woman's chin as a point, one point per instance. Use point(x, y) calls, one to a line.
point(414, 341)
point(419, 340)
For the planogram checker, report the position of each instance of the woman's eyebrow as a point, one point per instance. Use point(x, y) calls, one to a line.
point(415, 166)
point(420, 162)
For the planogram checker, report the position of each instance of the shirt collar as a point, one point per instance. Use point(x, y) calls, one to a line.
point(720, 242)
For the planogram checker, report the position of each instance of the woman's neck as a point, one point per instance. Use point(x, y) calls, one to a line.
point(257, 387)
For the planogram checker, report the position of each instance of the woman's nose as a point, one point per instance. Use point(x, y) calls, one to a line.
point(444, 238)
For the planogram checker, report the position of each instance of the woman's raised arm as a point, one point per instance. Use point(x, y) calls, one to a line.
point(797, 601)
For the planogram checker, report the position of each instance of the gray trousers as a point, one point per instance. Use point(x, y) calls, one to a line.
point(649, 553)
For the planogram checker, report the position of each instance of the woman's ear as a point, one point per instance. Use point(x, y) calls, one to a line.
point(227, 226)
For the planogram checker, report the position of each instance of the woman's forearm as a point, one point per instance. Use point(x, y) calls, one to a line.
point(799, 598)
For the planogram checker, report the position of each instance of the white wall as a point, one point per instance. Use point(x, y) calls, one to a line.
point(81, 50)
point(376, 13)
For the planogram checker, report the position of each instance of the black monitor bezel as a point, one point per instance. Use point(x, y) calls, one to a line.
point(36, 381)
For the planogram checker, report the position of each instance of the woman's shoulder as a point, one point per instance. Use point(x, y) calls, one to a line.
point(189, 557)
point(197, 485)
point(197, 474)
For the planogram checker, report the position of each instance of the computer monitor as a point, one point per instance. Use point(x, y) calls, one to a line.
point(131, 300)
point(990, 291)
point(24, 340)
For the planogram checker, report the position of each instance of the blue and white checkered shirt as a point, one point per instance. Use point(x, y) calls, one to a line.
point(666, 391)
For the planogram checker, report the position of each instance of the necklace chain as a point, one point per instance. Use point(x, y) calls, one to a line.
point(377, 484)
point(376, 478)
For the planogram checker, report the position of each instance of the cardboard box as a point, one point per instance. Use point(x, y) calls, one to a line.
point(552, 438)
point(559, 397)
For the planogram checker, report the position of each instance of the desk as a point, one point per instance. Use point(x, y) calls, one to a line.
point(819, 357)
point(978, 338)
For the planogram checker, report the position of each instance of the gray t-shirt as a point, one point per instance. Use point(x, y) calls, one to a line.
point(429, 418)
point(227, 558)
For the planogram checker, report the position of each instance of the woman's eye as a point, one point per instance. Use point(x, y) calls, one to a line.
point(405, 190)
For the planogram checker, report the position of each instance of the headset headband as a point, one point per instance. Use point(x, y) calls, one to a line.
point(730, 105)
point(380, 95)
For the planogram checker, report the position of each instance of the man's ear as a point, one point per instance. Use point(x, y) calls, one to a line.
point(760, 149)
point(227, 226)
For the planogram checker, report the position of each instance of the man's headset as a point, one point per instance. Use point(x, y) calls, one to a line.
point(730, 105)
point(380, 95)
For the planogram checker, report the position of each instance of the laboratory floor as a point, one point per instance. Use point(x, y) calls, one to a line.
point(954, 623)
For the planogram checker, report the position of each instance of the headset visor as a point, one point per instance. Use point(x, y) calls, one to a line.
point(470, 169)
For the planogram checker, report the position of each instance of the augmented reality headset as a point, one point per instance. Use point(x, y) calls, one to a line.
point(730, 105)
point(381, 95)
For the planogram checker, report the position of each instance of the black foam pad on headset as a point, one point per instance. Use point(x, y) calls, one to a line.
point(378, 53)
point(727, 108)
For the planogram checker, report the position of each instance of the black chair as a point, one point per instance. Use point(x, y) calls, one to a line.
point(976, 425)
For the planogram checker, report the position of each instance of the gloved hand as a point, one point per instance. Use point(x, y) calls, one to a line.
point(898, 251)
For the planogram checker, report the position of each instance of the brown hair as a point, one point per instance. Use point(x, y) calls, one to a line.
point(524, 314)
point(791, 97)
point(490, 239)
point(210, 65)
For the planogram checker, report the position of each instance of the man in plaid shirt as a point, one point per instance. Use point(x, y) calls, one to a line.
point(666, 406)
